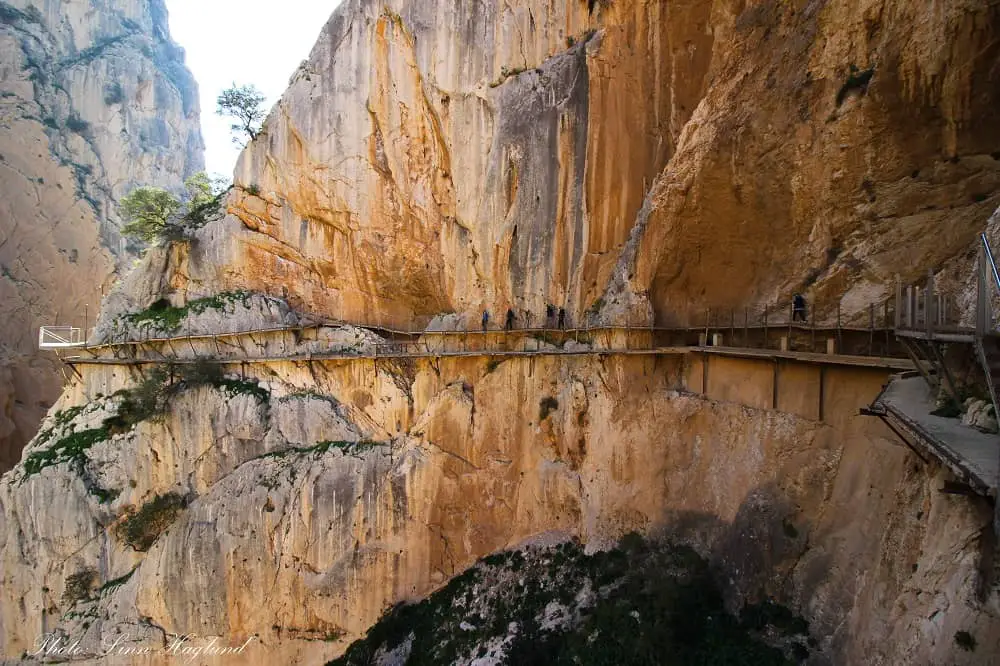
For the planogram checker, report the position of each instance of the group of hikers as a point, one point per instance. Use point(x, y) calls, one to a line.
point(552, 316)
point(558, 316)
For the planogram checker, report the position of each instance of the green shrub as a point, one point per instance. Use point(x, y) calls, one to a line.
point(114, 94)
point(73, 448)
point(10, 14)
point(77, 124)
point(163, 316)
point(112, 585)
point(652, 605)
point(142, 528)
point(202, 372)
point(79, 585)
point(146, 400)
point(147, 211)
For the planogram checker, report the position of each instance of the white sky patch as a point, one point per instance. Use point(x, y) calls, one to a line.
point(242, 41)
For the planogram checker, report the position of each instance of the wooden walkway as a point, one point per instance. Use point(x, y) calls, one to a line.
point(733, 333)
point(734, 352)
point(973, 456)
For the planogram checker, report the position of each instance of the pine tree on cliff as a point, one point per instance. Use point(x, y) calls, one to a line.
point(246, 105)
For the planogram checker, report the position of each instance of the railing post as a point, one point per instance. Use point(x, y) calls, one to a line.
point(899, 301)
point(929, 305)
point(840, 334)
point(871, 329)
point(765, 327)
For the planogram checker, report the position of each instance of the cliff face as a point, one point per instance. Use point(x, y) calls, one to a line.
point(94, 100)
point(837, 147)
point(310, 496)
point(632, 160)
point(624, 160)
point(442, 157)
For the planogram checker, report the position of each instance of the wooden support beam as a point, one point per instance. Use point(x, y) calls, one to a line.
point(939, 358)
point(822, 392)
point(917, 361)
point(774, 384)
point(704, 374)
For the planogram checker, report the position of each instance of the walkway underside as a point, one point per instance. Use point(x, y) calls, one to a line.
point(735, 352)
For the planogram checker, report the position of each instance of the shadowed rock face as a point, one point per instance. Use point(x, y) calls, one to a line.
point(94, 100)
point(836, 147)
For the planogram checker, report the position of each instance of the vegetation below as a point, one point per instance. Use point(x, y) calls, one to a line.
point(147, 400)
point(321, 448)
point(142, 528)
point(72, 447)
point(640, 603)
point(165, 317)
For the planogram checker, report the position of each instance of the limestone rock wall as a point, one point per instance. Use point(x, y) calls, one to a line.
point(94, 100)
point(838, 146)
point(440, 157)
point(345, 487)
point(629, 161)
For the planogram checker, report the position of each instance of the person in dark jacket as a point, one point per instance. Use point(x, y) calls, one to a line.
point(798, 307)
point(486, 319)
point(562, 317)
point(510, 319)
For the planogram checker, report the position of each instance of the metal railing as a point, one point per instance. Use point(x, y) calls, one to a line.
point(57, 337)
point(985, 294)
point(925, 307)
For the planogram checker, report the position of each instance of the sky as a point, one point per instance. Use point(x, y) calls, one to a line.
point(242, 41)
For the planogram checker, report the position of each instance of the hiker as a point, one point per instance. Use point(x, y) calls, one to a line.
point(527, 319)
point(550, 315)
point(486, 319)
point(798, 308)
point(562, 318)
point(510, 319)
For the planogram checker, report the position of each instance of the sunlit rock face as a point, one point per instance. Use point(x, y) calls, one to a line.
point(94, 100)
point(309, 497)
point(446, 157)
point(628, 161)
point(621, 160)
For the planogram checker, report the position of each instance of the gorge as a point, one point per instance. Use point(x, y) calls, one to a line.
point(211, 470)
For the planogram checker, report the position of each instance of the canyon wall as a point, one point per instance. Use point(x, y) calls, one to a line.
point(626, 161)
point(315, 494)
point(94, 100)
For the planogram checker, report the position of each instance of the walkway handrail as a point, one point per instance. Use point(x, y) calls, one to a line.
point(54, 337)
point(989, 257)
point(986, 266)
